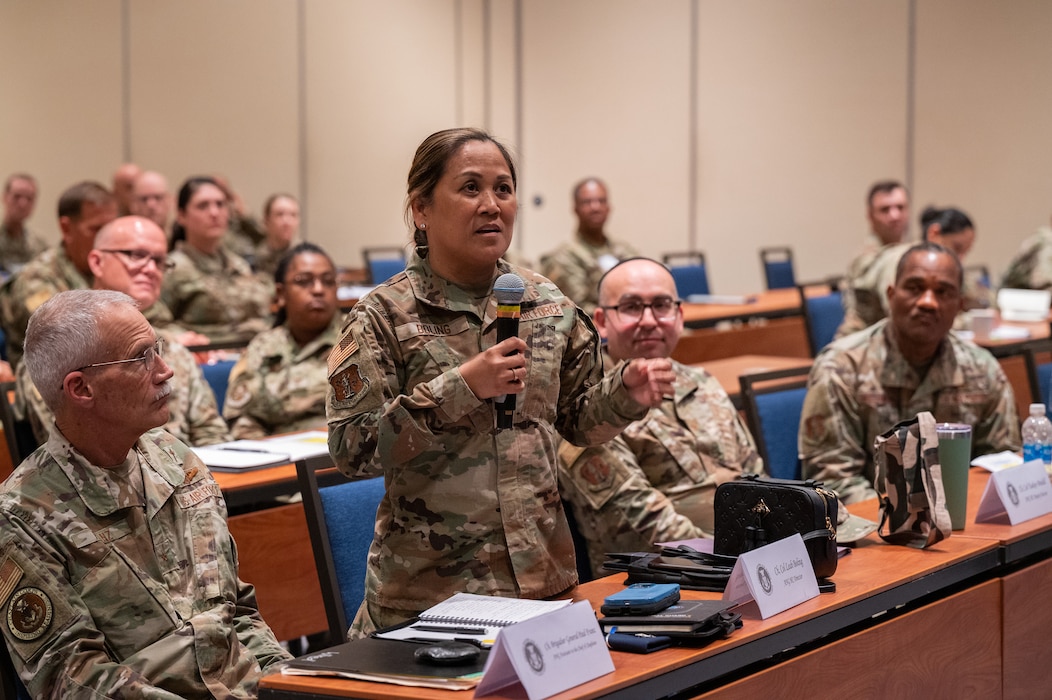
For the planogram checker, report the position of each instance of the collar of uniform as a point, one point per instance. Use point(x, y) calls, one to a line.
point(221, 261)
point(897, 372)
point(98, 491)
point(435, 291)
point(323, 343)
point(70, 272)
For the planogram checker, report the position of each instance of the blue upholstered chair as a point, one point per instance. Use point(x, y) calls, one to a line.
point(778, 267)
point(1038, 356)
point(822, 316)
point(689, 272)
point(217, 374)
point(383, 262)
point(341, 517)
point(773, 402)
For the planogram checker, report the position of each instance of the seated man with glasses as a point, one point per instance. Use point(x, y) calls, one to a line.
point(281, 382)
point(120, 577)
point(655, 482)
point(130, 255)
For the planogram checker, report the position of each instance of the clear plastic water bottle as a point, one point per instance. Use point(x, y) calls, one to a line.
point(1037, 435)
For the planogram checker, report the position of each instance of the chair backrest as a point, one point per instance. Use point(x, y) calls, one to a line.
point(778, 267)
point(580, 546)
point(773, 403)
point(217, 374)
point(18, 433)
point(1038, 356)
point(979, 272)
point(341, 518)
point(383, 262)
point(689, 272)
point(822, 316)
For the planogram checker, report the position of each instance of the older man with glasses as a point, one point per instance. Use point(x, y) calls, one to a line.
point(120, 577)
point(655, 482)
point(131, 256)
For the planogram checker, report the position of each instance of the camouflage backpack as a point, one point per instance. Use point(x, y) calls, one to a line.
point(909, 484)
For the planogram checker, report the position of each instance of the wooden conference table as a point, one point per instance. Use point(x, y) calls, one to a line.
point(966, 618)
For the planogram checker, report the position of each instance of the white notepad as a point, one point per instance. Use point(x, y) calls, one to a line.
point(491, 611)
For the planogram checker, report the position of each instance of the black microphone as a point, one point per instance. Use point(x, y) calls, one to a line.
point(508, 289)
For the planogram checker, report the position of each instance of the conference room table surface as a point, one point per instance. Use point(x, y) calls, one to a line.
point(873, 579)
point(771, 303)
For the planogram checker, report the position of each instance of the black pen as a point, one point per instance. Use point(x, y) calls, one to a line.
point(450, 630)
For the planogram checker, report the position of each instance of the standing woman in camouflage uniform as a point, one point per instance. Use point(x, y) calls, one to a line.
point(212, 290)
point(469, 507)
point(278, 385)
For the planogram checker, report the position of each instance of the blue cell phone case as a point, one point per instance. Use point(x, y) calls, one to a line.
point(641, 599)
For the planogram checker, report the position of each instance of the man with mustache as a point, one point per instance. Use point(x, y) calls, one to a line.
point(863, 384)
point(130, 255)
point(654, 482)
point(118, 573)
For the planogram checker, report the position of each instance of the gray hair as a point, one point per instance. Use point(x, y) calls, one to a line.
point(63, 336)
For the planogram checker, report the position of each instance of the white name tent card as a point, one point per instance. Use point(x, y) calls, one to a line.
point(548, 654)
point(777, 576)
point(1021, 492)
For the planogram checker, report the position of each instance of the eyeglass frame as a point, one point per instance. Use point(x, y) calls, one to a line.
point(157, 348)
point(137, 259)
point(677, 304)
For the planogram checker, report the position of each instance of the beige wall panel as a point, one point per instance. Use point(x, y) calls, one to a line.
point(606, 87)
point(470, 63)
point(984, 97)
point(503, 109)
point(213, 90)
point(60, 81)
point(802, 106)
point(380, 78)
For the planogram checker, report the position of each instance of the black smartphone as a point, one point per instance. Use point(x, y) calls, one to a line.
point(641, 599)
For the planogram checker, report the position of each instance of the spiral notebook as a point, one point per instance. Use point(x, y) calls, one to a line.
point(470, 617)
point(488, 610)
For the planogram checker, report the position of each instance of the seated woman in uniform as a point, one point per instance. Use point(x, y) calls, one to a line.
point(281, 221)
point(211, 290)
point(279, 384)
point(953, 229)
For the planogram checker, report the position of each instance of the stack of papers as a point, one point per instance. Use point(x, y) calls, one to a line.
point(243, 455)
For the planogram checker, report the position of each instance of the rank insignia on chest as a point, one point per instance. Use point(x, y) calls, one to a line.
point(348, 386)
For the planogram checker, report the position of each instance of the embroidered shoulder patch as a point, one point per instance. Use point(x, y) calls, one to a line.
point(596, 472)
point(348, 386)
point(29, 614)
point(10, 575)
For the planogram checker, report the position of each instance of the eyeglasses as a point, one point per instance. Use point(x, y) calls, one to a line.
point(307, 281)
point(148, 358)
point(136, 260)
point(663, 308)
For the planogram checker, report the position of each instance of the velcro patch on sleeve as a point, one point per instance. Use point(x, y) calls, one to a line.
point(10, 575)
point(346, 347)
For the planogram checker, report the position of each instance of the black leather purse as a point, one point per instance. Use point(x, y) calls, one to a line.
point(752, 511)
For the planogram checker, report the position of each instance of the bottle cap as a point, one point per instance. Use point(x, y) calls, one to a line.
point(1037, 409)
